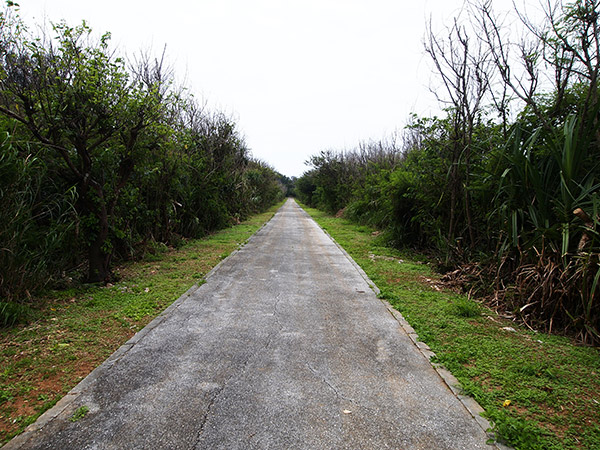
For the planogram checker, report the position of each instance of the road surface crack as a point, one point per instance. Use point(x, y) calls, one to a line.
point(276, 312)
point(242, 370)
point(373, 411)
point(331, 386)
point(211, 403)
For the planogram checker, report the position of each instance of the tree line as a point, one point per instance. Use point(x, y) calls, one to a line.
point(104, 157)
point(504, 184)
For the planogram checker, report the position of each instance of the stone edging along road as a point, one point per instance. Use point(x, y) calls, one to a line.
point(453, 384)
point(284, 346)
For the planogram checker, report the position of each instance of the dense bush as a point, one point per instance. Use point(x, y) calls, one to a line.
point(37, 218)
point(99, 159)
point(514, 202)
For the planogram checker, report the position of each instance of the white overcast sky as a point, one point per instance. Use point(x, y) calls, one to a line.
point(297, 76)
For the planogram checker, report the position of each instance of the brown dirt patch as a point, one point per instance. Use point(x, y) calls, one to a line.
point(49, 377)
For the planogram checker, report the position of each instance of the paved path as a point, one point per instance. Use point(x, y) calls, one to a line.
point(284, 347)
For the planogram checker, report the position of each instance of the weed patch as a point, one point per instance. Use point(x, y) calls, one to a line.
point(12, 313)
point(463, 307)
point(80, 413)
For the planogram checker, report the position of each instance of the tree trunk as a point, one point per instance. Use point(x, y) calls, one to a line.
point(468, 133)
point(98, 258)
point(454, 184)
point(98, 271)
point(452, 208)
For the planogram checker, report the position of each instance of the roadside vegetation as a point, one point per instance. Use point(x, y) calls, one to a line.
point(72, 331)
point(503, 187)
point(104, 159)
point(539, 391)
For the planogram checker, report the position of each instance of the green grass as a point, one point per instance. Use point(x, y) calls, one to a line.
point(72, 331)
point(552, 384)
point(80, 413)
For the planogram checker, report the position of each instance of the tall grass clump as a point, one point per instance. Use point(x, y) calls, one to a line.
point(36, 225)
point(547, 205)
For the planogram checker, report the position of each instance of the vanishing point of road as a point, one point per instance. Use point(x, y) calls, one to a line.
point(285, 346)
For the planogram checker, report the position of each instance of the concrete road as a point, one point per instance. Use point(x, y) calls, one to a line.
point(284, 347)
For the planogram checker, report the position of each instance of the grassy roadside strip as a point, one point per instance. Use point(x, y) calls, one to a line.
point(75, 330)
point(540, 391)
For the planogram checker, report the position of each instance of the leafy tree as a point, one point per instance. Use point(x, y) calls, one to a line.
point(79, 104)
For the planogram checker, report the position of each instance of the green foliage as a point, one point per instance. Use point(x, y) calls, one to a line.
point(543, 179)
point(306, 187)
point(12, 313)
point(80, 413)
point(104, 158)
point(529, 214)
point(464, 307)
point(547, 195)
point(515, 203)
point(37, 222)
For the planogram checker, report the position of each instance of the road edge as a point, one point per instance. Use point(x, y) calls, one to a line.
point(469, 403)
point(66, 403)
